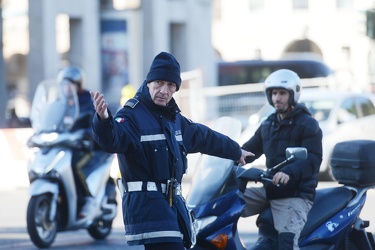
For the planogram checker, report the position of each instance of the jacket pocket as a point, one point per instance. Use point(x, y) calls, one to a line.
point(160, 164)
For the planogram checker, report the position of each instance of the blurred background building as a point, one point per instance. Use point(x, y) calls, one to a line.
point(114, 41)
point(330, 30)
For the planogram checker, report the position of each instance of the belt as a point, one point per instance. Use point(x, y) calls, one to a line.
point(136, 186)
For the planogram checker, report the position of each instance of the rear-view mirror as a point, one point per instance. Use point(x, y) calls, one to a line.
point(296, 153)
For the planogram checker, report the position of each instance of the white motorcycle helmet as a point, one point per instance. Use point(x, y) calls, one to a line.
point(286, 79)
point(73, 74)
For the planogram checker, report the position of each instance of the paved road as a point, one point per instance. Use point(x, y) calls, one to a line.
point(13, 234)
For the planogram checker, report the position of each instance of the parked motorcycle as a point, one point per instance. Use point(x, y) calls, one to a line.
point(333, 222)
point(55, 199)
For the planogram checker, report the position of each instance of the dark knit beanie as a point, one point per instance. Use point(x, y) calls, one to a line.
point(165, 67)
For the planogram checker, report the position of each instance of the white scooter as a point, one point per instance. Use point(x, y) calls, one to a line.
point(55, 200)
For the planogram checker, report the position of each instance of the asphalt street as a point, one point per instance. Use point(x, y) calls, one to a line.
point(13, 232)
point(14, 199)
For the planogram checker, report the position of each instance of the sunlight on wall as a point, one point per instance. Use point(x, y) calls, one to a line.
point(62, 33)
point(15, 27)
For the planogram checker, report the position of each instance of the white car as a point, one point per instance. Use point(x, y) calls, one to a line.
point(341, 115)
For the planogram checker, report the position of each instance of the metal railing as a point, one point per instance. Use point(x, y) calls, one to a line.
point(205, 104)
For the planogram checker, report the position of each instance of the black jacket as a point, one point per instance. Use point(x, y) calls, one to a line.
point(297, 129)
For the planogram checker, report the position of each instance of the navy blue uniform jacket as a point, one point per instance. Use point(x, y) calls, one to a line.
point(297, 129)
point(152, 143)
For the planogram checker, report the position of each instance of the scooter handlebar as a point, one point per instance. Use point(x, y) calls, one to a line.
point(73, 140)
point(245, 175)
point(258, 175)
point(251, 174)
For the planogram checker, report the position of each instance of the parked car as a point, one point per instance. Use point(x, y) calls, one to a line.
point(342, 115)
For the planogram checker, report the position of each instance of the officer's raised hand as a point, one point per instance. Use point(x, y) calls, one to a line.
point(100, 105)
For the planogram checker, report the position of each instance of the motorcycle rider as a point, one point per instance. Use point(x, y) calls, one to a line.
point(152, 140)
point(292, 190)
point(83, 160)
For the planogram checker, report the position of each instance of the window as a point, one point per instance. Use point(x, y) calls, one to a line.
point(300, 4)
point(344, 4)
point(366, 106)
point(256, 5)
point(349, 107)
point(320, 109)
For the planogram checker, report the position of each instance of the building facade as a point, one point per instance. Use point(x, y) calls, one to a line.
point(115, 46)
point(331, 30)
point(114, 41)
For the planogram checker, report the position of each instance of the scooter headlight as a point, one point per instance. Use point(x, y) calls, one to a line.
point(50, 137)
point(43, 139)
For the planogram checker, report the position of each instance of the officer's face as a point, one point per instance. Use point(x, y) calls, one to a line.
point(280, 99)
point(161, 92)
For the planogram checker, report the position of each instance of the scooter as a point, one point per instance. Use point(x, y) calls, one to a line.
point(215, 196)
point(55, 199)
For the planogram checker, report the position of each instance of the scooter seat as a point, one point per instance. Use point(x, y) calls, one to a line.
point(326, 203)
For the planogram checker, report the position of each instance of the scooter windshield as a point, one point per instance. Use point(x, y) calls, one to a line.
point(55, 107)
point(214, 176)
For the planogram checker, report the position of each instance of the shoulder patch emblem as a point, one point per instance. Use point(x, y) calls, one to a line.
point(131, 103)
point(119, 119)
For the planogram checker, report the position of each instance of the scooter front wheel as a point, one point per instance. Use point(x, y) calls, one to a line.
point(100, 229)
point(41, 229)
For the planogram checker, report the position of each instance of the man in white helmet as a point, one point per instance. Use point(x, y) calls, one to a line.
point(292, 190)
